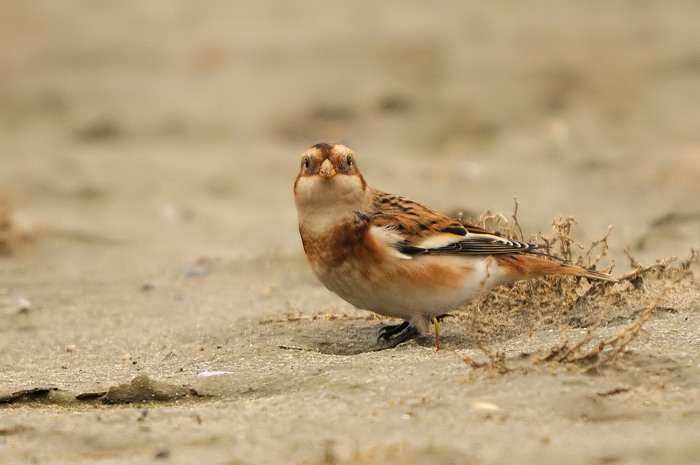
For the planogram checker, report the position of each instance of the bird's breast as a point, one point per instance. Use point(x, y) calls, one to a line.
point(333, 247)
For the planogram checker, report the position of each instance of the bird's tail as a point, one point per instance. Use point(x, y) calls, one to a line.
point(528, 265)
point(585, 272)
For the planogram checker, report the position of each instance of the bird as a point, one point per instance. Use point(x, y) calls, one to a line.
point(397, 258)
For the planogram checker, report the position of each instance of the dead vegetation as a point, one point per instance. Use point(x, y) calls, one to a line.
point(11, 235)
point(7, 228)
point(563, 303)
point(590, 355)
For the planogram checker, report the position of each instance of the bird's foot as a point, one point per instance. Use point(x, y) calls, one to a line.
point(387, 331)
point(396, 334)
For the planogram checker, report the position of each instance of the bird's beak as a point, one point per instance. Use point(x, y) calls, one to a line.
point(327, 170)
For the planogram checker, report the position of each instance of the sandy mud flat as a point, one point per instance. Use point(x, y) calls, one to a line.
point(155, 303)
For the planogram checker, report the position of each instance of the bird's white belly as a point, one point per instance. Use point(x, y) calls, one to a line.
point(396, 289)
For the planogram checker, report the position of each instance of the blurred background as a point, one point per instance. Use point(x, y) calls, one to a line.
point(176, 127)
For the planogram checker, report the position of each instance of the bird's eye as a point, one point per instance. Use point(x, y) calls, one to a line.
point(305, 163)
point(348, 161)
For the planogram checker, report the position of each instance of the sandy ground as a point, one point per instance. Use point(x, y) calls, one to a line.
point(150, 148)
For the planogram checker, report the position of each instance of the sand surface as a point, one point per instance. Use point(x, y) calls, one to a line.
point(149, 150)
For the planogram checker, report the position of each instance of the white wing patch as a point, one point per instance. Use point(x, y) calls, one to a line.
point(389, 237)
point(469, 244)
point(439, 240)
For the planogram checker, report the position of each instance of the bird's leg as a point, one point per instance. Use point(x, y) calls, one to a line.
point(407, 332)
point(396, 334)
point(389, 330)
point(436, 324)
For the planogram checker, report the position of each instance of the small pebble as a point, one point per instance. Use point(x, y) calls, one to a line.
point(22, 304)
point(70, 348)
point(161, 454)
point(485, 406)
point(170, 213)
point(196, 272)
point(205, 374)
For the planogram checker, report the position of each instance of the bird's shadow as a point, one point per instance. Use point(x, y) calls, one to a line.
point(353, 337)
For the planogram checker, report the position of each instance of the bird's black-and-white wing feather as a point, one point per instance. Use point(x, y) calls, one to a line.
point(420, 230)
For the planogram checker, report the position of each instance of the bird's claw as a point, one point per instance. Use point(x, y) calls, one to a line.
point(387, 331)
point(396, 334)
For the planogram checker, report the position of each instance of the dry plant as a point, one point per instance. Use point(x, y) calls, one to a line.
point(11, 234)
point(330, 316)
point(564, 302)
point(588, 355)
point(496, 360)
point(7, 228)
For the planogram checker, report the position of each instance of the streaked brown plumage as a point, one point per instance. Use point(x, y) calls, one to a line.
point(391, 255)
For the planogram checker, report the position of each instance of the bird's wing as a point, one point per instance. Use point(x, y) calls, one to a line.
point(420, 230)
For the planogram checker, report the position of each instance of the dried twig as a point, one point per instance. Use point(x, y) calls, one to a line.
point(607, 349)
point(617, 344)
point(515, 219)
point(496, 360)
point(693, 259)
point(7, 227)
point(562, 234)
point(603, 242)
point(640, 269)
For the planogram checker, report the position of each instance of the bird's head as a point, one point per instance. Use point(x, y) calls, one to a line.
point(329, 180)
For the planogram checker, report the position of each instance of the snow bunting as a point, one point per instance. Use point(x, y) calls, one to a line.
point(398, 258)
